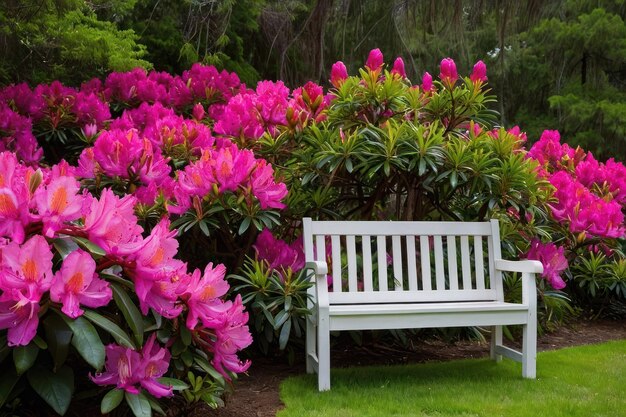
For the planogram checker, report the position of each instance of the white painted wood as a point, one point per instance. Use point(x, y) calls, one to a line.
point(411, 265)
point(453, 277)
point(466, 264)
point(381, 248)
point(396, 245)
point(390, 228)
point(410, 296)
point(479, 263)
point(440, 278)
point(367, 263)
point(336, 259)
point(351, 253)
point(415, 307)
point(425, 254)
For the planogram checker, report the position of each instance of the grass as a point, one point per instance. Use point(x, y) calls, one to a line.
point(587, 381)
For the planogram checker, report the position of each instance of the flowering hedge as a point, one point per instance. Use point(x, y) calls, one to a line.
point(114, 197)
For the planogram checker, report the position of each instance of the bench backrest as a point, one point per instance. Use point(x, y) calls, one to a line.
point(389, 261)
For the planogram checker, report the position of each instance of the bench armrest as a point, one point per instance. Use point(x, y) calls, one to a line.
point(318, 267)
point(320, 289)
point(519, 266)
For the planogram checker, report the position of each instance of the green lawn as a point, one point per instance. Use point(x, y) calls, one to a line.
point(587, 381)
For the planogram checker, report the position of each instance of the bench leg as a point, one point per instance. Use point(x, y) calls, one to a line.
point(323, 354)
point(311, 345)
point(529, 350)
point(496, 340)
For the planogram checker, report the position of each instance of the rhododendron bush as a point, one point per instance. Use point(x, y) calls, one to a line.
point(124, 203)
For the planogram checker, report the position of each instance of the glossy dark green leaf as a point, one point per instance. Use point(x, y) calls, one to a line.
point(111, 400)
point(55, 388)
point(86, 341)
point(139, 404)
point(284, 335)
point(59, 336)
point(24, 357)
point(120, 336)
point(176, 384)
point(64, 246)
point(130, 311)
point(89, 246)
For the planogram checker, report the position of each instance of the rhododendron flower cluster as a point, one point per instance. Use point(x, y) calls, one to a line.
point(589, 194)
point(553, 260)
point(130, 370)
point(279, 255)
point(45, 206)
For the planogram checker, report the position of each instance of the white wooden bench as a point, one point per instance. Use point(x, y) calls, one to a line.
point(399, 275)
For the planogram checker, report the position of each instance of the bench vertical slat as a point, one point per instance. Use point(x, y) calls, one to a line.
point(439, 271)
point(425, 255)
point(496, 276)
point(366, 242)
point(466, 264)
point(336, 242)
point(452, 267)
point(397, 263)
point(351, 253)
point(381, 248)
point(410, 262)
point(479, 262)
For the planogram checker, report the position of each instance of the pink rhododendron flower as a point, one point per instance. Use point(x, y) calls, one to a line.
point(552, 259)
point(110, 222)
point(123, 366)
point(202, 297)
point(230, 338)
point(130, 370)
point(26, 268)
point(338, 74)
point(265, 189)
point(21, 319)
point(479, 72)
point(16, 136)
point(398, 68)
point(77, 283)
point(374, 60)
point(448, 74)
point(58, 202)
point(155, 361)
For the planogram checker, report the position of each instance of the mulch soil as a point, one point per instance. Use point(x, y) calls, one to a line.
point(256, 394)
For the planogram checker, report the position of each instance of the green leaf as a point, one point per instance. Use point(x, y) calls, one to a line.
point(24, 357)
point(113, 329)
point(185, 335)
point(89, 246)
point(139, 404)
point(59, 336)
point(245, 224)
point(284, 335)
point(176, 384)
point(86, 341)
point(130, 311)
point(7, 382)
point(64, 246)
point(55, 388)
point(111, 400)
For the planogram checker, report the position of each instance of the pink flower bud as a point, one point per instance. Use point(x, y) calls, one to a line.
point(448, 74)
point(374, 60)
point(90, 130)
point(198, 112)
point(427, 82)
point(479, 73)
point(338, 73)
point(398, 67)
